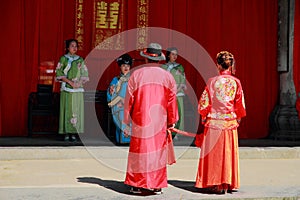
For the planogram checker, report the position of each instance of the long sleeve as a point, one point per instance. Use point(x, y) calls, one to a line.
point(204, 105)
point(129, 100)
point(182, 79)
point(172, 108)
point(108, 95)
point(84, 74)
point(111, 89)
point(60, 68)
point(240, 108)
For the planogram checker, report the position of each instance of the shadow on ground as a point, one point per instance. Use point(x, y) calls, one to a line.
point(117, 186)
point(190, 186)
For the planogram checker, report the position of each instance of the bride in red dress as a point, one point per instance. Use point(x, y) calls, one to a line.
point(221, 107)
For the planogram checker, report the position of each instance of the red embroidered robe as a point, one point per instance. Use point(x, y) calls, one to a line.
point(220, 105)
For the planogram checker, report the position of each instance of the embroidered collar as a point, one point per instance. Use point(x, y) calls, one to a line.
point(225, 72)
point(72, 57)
point(174, 64)
point(122, 75)
point(171, 65)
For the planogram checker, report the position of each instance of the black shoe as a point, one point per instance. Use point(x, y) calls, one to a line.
point(73, 138)
point(215, 190)
point(157, 191)
point(66, 138)
point(135, 190)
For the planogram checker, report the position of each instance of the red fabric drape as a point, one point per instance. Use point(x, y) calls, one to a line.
point(252, 38)
point(51, 33)
point(35, 32)
point(14, 84)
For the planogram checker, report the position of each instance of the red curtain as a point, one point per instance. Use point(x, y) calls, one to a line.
point(33, 34)
point(15, 79)
point(36, 30)
point(252, 38)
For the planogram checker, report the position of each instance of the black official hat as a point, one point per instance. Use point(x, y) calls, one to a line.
point(153, 52)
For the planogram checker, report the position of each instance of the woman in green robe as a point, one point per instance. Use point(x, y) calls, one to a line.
point(72, 72)
point(177, 71)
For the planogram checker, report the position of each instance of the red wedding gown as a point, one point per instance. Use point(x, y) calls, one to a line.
point(221, 104)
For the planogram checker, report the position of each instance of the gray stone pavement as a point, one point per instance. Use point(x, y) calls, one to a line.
point(77, 172)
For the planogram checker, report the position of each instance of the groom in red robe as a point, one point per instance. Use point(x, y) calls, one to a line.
point(150, 104)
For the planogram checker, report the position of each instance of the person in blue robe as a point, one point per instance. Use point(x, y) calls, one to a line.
point(116, 95)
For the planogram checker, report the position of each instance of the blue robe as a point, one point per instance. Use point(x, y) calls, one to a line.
point(115, 98)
